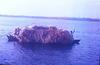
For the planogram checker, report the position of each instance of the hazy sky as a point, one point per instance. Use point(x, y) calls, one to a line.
point(59, 8)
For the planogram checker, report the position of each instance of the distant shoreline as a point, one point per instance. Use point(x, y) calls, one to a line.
point(44, 17)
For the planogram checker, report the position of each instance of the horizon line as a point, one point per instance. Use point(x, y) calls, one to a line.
point(44, 17)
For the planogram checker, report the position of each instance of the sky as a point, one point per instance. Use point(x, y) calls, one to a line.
point(51, 8)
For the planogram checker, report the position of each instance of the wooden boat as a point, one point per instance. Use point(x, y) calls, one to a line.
point(44, 35)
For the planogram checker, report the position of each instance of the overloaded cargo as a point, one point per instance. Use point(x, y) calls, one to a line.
point(42, 35)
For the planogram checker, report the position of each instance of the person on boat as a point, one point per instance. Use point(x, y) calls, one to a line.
point(17, 31)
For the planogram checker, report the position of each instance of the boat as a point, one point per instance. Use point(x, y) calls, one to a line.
point(43, 35)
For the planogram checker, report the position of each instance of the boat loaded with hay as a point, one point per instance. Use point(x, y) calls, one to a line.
point(42, 35)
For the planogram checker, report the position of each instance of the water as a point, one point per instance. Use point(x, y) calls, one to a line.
point(86, 53)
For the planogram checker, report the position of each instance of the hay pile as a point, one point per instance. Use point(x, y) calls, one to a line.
point(44, 35)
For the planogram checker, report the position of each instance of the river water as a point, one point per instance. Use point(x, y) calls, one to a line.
point(85, 53)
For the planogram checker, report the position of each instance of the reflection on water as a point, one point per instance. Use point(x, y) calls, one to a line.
point(86, 53)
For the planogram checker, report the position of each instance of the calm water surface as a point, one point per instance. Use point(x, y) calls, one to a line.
point(86, 53)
